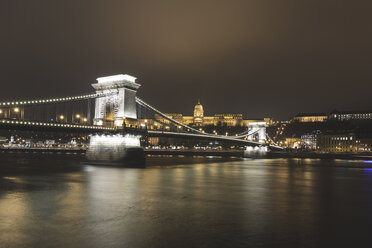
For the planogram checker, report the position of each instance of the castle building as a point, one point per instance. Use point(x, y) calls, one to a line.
point(198, 114)
point(311, 117)
point(199, 119)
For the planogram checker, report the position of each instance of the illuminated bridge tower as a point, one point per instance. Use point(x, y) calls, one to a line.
point(112, 109)
point(257, 129)
point(117, 104)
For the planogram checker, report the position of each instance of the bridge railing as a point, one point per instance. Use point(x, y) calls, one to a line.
point(9, 123)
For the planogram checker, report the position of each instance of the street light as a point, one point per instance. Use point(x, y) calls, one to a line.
point(77, 118)
point(85, 119)
point(16, 110)
point(61, 117)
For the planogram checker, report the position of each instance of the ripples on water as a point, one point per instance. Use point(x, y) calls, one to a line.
point(185, 202)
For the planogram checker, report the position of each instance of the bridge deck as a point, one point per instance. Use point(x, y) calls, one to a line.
point(50, 126)
point(154, 133)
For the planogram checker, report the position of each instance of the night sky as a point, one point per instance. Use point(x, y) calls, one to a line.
point(260, 58)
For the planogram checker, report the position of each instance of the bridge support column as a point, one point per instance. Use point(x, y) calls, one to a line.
point(122, 150)
point(120, 101)
point(255, 152)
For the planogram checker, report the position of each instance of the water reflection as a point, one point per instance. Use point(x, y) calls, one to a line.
point(243, 203)
point(13, 219)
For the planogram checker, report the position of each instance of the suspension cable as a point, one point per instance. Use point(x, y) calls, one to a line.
point(58, 100)
point(144, 104)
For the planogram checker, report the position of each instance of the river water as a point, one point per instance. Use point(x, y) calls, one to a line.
point(185, 202)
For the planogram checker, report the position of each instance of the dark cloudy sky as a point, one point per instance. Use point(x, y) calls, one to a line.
point(260, 58)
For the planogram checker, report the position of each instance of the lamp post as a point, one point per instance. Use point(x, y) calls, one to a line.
point(77, 118)
point(16, 112)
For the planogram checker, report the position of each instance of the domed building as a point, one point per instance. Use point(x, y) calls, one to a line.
point(198, 114)
point(200, 120)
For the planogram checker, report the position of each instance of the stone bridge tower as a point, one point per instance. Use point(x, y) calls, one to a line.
point(114, 108)
point(257, 129)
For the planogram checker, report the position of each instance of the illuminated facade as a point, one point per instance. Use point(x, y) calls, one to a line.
point(343, 143)
point(293, 143)
point(199, 119)
point(351, 115)
point(198, 114)
point(309, 141)
point(315, 117)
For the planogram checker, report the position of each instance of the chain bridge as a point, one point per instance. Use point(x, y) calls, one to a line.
point(111, 114)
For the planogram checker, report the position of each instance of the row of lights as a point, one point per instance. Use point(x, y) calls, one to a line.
point(55, 99)
point(54, 125)
point(62, 117)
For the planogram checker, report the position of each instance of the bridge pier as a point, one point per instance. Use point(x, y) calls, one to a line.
point(119, 150)
point(255, 152)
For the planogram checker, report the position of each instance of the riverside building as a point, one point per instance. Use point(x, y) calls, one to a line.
point(351, 115)
point(343, 143)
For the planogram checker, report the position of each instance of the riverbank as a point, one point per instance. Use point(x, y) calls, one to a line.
point(217, 153)
point(316, 155)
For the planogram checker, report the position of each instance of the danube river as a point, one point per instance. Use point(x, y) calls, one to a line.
point(185, 202)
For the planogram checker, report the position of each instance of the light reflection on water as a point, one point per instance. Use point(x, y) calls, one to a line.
point(243, 203)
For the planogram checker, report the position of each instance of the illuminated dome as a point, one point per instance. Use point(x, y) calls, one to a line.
point(198, 112)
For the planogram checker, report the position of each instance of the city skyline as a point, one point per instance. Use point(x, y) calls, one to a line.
point(271, 59)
